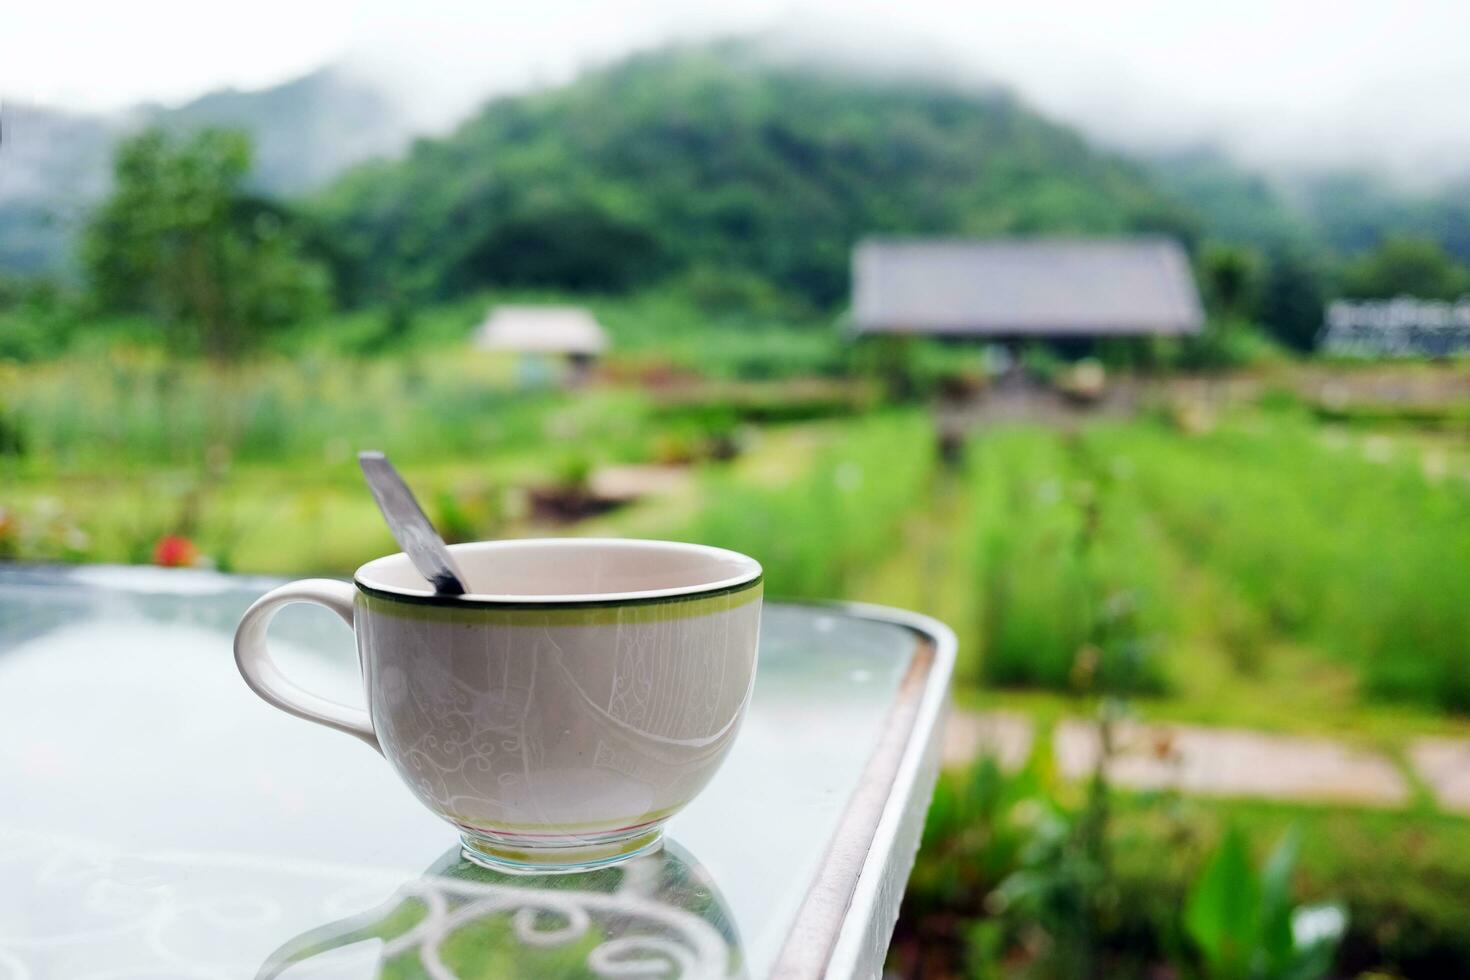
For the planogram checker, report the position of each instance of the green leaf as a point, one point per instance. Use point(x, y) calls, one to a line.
point(985, 948)
point(1222, 913)
point(1276, 905)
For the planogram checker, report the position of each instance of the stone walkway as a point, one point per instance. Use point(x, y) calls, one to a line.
point(626, 483)
point(969, 735)
point(1444, 765)
point(1223, 761)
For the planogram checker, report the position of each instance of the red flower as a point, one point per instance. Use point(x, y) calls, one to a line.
point(174, 551)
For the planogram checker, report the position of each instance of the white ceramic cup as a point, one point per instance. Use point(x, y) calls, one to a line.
point(559, 714)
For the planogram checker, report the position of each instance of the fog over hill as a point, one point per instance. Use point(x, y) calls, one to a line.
point(1354, 85)
point(54, 163)
point(1282, 88)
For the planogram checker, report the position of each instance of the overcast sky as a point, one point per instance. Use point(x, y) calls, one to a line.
point(1352, 81)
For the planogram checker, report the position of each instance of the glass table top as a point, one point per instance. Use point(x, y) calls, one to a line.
point(158, 820)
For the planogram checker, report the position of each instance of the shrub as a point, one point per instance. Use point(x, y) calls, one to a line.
point(1363, 555)
point(1227, 343)
point(1245, 924)
point(838, 516)
point(1065, 586)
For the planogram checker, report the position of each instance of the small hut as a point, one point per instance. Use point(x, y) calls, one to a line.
point(544, 333)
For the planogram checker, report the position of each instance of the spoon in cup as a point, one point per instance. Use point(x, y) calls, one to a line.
point(410, 527)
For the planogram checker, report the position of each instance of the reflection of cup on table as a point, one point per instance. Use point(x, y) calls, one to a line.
point(580, 695)
point(659, 915)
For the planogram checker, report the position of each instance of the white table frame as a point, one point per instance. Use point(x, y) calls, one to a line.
point(844, 926)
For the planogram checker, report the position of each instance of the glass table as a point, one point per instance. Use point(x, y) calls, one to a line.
point(158, 820)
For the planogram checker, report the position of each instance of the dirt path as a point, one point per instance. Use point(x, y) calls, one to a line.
point(1231, 762)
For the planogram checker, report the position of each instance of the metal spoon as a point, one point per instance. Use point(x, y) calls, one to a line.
point(411, 529)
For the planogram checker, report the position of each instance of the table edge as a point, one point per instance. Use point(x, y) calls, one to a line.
point(863, 906)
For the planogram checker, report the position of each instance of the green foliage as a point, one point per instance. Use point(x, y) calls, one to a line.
point(752, 333)
point(1292, 298)
point(907, 369)
point(1048, 885)
point(1226, 342)
point(1363, 555)
point(581, 246)
point(714, 157)
point(574, 472)
point(13, 440)
point(973, 833)
point(133, 411)
point(1067, 592)
point(722, 407)
point(1063, 884)
point(1042, 362)
point(450, 519)
point(1245, 924)
point(1403, 266)
point(179, 239)
point(719, 292)
point(1350, 213)
point(659, 335)
point(1223, 915)
point(1229, 278)
point(839, 516)
point(1008, 851)
point(37, 320)
point(1236, 206)
point(1321, 215)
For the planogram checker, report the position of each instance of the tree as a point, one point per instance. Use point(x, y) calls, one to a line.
point(36, 319)
point(1406, 266)
point(1229, 274)
point(180, 239)
point(1291, 299)
point(573, 245)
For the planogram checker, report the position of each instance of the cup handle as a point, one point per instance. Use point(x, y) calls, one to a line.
point(266, 679)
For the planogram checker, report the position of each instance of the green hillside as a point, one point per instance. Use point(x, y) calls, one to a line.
point(1354, 212)
point(711, 157)
point(1235, 205)
point(1336, 213)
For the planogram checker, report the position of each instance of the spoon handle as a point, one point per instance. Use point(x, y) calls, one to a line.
point(410, 527)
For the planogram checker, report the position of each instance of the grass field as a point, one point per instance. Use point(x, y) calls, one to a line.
point(1262, 567)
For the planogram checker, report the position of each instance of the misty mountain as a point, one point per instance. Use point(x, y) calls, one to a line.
point(713, 158)
point(1236, 205)
point(55, 164)
point(724, 155)
point(1353, 211)
point(305, 131)
point(1338, 213)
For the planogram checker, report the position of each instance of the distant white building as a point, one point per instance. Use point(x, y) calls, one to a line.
point(541, 332)
point(1024, 289)
point(1400, 327)
point(567, 330)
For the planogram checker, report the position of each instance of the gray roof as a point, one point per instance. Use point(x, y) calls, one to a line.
point(1011, 287)
point(541, 330)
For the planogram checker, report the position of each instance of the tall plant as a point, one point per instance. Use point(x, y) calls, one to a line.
point(1244, 924)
